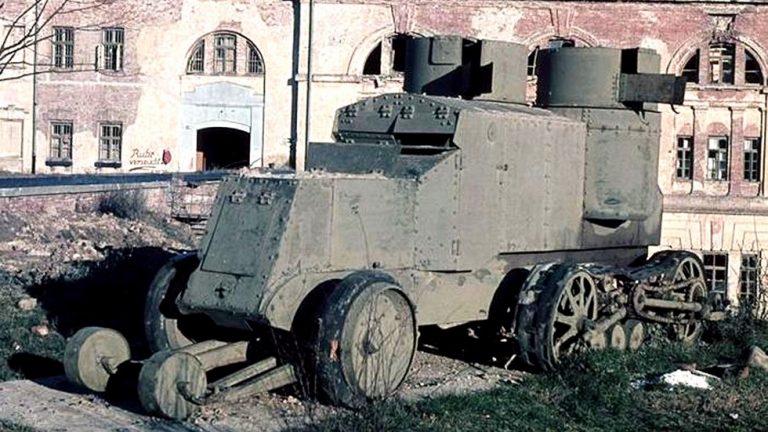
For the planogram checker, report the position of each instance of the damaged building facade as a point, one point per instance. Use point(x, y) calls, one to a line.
point(176, 85)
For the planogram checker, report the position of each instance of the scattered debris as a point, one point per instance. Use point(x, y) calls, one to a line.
point(689, 378)
point(757, 358)
point(27, 303)
point(40, 330)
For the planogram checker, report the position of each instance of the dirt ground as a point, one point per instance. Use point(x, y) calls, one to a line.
point(80, 269)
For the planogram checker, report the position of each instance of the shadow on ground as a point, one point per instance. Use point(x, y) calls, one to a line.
point(108, 293)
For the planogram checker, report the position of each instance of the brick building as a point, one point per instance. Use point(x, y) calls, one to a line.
point(184, 85)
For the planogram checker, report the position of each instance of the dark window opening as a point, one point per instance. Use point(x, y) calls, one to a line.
point(749, 280)
point(398, 52)
point(716, 272)
point(561, 43)
point(752, 72)
point(373, 62)
point(752, 159)
point(684, 157)
point(691, 69)
point(222, 148)
point(721, 63)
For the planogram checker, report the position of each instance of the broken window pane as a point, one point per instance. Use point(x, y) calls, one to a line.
point(717, 158)
point(112, 43)
point(752, 159)
point(721, 63)
point(684, 157)
point(398, 43)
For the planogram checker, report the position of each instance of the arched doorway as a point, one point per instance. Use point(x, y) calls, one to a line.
point(222, 148)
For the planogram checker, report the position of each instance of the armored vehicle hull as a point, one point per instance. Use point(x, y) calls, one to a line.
point(451, 203)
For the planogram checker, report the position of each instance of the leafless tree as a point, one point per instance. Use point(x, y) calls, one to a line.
point(28, 25)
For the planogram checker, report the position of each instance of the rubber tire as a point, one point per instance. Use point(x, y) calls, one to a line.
point(332, 343)
point(161, 317)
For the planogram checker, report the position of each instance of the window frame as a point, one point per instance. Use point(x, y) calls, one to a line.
point(718, 157)
point(711, 269)
point(749, 278)
point(752, 157)
point(60, 143)
point(684, 158)
point(197, 57)
point(112, 48)
point(63, 48)
point(110, 142)
point(220, 62)
point(254, 62)
point(726, 62)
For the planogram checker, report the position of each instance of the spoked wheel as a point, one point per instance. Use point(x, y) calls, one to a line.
point(568, 307)
point(166, 328)
point(690, 275)
point(366, 340)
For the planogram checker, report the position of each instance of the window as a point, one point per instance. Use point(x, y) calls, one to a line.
point(691, 69)
point(387, 57)
point(716, 272)
point(752, 72)
point(752, 159)
point(684, 157)
point(255, 64)
point(225, 49)
point(61, 141)
point(721, 63)
point(110, 141)
point(63, 47)
point(749, 280)
point(373, 62)
point(196, 62)
point(717, 158)
point(112, 47)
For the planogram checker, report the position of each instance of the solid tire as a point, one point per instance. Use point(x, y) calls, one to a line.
point(340, 349)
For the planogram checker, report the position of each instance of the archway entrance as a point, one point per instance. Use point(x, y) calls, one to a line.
point(222, 148)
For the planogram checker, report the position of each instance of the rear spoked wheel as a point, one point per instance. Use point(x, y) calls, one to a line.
point(567, 310)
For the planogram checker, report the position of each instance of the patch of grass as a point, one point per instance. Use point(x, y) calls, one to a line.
point(125, 204)
point(595, 392)
point(22, 352)
point(9, 426)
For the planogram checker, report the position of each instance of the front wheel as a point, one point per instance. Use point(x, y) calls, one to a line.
point(166, 328)
point(366, 340)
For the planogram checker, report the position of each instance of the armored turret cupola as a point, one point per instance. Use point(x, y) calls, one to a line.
point(604, 78)
point(469, 69)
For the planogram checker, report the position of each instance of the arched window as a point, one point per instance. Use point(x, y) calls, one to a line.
point(387, 57)
point(225, 53)
point(196, 62)
point(691, 68)
point(255, 63)
point(752, 72)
